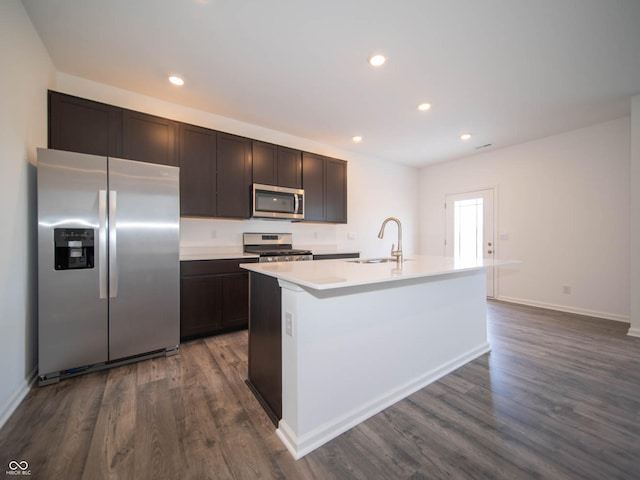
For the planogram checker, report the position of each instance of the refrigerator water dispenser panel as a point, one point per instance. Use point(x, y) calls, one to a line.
point(74, 248)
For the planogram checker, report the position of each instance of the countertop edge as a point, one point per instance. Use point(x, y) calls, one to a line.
point(216, 256)
point(260, 268)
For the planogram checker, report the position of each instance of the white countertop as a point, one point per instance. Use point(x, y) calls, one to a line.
point(213, 253)
point(188, 253)
point(216, 256)
point(331, 274)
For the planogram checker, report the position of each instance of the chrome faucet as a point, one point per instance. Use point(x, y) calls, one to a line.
point(397, 254)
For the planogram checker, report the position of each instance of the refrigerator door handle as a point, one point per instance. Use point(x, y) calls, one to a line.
point(113, 244)
point(102, 243)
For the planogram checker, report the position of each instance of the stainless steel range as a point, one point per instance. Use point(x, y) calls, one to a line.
point(274, 247)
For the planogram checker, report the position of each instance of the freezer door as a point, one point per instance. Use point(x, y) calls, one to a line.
point(144, 266)
point(72, 316)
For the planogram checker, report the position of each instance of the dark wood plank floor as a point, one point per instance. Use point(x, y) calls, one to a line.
point(557, 398)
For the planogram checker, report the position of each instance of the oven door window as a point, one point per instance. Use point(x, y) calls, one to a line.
point(275, 202)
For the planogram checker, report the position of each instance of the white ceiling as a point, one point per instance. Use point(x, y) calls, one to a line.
point(505, 70)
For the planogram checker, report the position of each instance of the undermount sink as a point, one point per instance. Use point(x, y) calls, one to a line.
point(373, 260)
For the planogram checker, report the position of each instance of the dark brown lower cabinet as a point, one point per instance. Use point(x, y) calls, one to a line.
point(214, 297)
point(265, 339)
point(265, 344)
point(235, 300)
point(200, 312)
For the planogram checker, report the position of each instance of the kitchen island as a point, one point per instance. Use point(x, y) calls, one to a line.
point(332, 343)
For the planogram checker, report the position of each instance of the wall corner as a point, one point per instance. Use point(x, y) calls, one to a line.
point(635, 217)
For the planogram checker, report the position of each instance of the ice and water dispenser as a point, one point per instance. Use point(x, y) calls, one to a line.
point(74, 248)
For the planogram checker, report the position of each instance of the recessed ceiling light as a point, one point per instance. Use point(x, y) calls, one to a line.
point(465, 136)
point(176, 80)
point(423, 107)
point(357, 139)
point(377, 60)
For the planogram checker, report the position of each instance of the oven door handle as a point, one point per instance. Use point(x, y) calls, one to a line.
point(296, 203)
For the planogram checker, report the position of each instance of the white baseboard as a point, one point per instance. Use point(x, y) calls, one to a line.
point(634, 332)
point(17, 397)
point(562, 308)
point(301, 446)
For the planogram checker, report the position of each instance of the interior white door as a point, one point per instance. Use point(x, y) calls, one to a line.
point(469, 228)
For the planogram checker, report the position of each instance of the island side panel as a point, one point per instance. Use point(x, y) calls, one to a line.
point(265, 343)
point(355, 351)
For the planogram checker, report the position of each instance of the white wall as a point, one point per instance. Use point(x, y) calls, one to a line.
point(376, 189)
point(26, 75)
point(635, 216)
point(563, 202)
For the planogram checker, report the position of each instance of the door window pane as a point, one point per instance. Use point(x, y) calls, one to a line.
point(468, 227)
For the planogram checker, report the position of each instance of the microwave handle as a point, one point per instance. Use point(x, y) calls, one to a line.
point(296, 202)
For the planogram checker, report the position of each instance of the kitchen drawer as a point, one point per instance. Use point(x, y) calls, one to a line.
point(214, 267)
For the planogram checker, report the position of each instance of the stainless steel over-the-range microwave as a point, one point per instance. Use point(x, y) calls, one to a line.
point(270, 201)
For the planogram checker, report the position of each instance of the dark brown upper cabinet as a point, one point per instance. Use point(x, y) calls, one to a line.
point(335, 186)
point(80, 125)
point(289, 167)
point(325, 188)
point(217, 169)
point(276, 165)
point(313, 184)
point(233, 178)
point(148, 138)
point(265, 163)
point(197, 171)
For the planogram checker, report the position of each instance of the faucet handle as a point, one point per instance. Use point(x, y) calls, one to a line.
point(393, 249)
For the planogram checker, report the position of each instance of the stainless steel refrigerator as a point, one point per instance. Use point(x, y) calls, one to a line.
point(108, 262)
